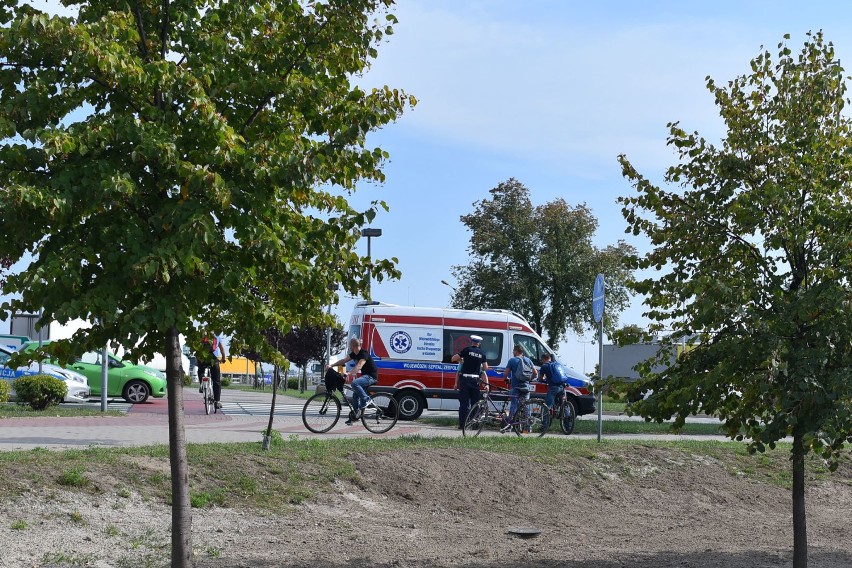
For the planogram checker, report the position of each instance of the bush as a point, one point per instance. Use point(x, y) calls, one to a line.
point(226, 381)
point(5, 389)
point(293, 383)
point(187, 380)
point(40, 391)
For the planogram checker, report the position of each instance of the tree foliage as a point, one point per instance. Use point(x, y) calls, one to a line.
point(538, 261)
point(158, 157)
point(751, 253)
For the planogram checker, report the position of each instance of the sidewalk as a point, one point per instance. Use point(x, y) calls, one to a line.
point(147, 424)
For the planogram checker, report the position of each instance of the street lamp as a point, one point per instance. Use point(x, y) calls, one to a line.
point(445, 283)
point(370, 233)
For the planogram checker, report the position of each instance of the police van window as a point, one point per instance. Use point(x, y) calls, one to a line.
point(532, 347)
point(457, 339)
point(4, 358)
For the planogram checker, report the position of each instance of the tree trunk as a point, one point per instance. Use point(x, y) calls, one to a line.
point(303, 384)
point(276, 378)
point(800, 530)
point(181, 511)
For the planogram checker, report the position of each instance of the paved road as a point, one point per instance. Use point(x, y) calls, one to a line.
point(243, 418)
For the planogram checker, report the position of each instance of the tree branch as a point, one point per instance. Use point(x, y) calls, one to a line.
point(268, 97)
point(143, 39)
point(119, 92)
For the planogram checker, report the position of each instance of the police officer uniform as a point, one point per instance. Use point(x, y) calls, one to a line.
point(472, 359)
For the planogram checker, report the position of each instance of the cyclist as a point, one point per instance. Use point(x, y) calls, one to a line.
point(473, 366)
point(369, 376)
point(208, 359)
point(523, 371)
point(551, 374)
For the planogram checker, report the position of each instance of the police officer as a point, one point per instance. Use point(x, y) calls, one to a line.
point(467, 381)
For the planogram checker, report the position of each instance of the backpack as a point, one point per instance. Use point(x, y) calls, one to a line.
point(558, 374)
point(524, 372)
point(334, 380)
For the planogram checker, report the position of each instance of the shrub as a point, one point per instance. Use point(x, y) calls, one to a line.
point(5, 389)
point(187, 380)
point(226, 381)
point(40, 391)
point(293, 383)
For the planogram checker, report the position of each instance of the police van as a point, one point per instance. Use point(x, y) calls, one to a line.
point(412, 348)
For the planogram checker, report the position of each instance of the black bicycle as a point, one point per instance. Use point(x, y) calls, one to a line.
point(563, 411)
point(322, 411)
point(529, 417)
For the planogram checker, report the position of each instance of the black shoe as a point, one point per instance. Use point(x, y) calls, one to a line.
point(348, 422)
point(218, 404)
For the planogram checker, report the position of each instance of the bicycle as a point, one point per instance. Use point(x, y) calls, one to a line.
point(207, 392)
point(528, 417)
point(564, 411)
point(322, 411)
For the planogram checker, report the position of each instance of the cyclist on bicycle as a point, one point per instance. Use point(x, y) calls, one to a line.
point(208, 359)
point(473, 367)
point(523, 371)
point(369, 376)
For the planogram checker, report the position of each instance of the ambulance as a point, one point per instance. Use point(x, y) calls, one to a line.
point(412, 348)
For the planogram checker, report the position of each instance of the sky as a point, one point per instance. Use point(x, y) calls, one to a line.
point(549, 92)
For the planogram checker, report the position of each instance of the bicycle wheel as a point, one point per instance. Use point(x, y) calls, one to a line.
point(535, 418)
point(208, 396)
point(321, 412)
point(568, 416)
point(380, 416)
point(475, 419)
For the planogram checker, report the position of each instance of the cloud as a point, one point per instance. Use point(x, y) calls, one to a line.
point(559, 90)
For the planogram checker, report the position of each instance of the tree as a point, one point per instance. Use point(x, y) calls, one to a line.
point(538, 261)
point(630, 334)
point(305, 344)
point(161, 156)
point(751, 254)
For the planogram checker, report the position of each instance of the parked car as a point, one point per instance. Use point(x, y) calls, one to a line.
point(78, 390)
point(134, 383)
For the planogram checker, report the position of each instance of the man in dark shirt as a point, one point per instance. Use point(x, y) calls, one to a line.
point(369, 376)
point(467, 381)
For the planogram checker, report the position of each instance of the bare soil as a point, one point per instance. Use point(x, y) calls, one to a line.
point(451, 507)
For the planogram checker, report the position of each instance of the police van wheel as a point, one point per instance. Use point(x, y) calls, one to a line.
point(411, 405)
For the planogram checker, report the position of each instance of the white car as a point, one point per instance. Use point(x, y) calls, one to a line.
point(78, 385)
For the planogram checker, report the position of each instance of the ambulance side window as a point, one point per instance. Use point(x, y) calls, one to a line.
point(532, 347)
point(457, 339)
point(354, 332)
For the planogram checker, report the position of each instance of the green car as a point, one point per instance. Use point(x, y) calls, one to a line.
point(134, 383)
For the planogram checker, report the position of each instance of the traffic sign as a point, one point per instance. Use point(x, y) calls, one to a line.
point(598, 298)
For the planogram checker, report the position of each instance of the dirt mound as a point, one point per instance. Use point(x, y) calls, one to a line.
point(619, 506)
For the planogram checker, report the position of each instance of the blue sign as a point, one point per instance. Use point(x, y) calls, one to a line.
point(598, 298)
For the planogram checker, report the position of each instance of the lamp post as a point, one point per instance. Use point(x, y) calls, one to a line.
point(445, 283)
point(584, 342)
point(370, 233)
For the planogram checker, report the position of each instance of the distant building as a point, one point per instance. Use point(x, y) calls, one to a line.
point(620, 362)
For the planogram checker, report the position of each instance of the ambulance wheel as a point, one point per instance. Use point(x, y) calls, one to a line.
point(411, 405)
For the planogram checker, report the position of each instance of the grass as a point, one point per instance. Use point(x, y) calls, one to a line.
point(268, 389)
point(609, 427)
point(72, 478)
point(13, 410)
point(18, 525)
